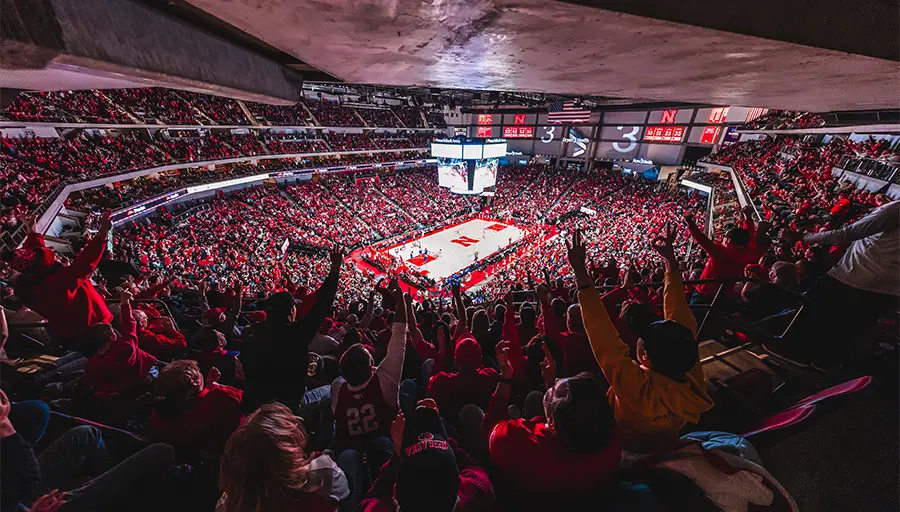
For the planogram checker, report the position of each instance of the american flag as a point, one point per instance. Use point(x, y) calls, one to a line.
point(567, 112)
point(754, 113)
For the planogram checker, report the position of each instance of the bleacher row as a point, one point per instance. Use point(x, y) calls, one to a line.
point(33, 167)
point(171, 107)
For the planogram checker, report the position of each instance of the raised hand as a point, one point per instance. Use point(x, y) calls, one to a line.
point(548, 366)
point(336, 255)
point(125, 297)
point(441, 341)
point(454, 288)
point(397, 428)
point(28, 221)
point(628, 280)
point(502, 351)
point(665, 245)
point(575, 253)
point(543, 291)
point(212, 377)
point(395, 292)
point(50, 502)
point(689, 220)
point(106, 221)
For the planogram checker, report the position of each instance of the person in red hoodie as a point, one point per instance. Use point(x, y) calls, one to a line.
point(558, 459)
point(472, 383)
point(726, 261)
point(63, 294)
point(116, 363)
point(194, 412)
point(158, 336)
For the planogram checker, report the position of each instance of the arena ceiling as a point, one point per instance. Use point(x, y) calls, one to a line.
point(765, 53)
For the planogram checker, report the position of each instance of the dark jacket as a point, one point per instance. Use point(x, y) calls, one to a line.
point(276, 355)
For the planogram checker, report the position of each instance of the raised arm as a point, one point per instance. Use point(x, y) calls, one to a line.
point(747, 221)
point(510, 333)
point(391, 367)
point(611, 353)
point(498, 407)
point(235, 308)
point(880, 220)
point(87, 260)
point(4, 328)
point(423, 348)
point(370, 312)
point(127, 326)
point(462, 322)
point(675, 304)
point(324, 297)
point(153, 291)
point(713, 249)
point(551, 324)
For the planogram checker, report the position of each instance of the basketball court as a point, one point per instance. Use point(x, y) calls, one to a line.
point(455, 248)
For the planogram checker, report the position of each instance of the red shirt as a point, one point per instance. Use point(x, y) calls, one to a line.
point(841, 207)
point(123, 367)
point(206, 423)
point(725, 261)
point(531, 457)
point(577, 353)
point(67, 298)
point(160, 345)
point(451, 391)
point(362, 415)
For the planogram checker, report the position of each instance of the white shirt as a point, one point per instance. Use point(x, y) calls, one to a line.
point(872, 262)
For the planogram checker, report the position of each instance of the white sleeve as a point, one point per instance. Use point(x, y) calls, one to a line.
point(335, 390)
point(880, 220)
point(391, 368)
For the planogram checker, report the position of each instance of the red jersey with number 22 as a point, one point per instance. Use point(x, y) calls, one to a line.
point(362, 415)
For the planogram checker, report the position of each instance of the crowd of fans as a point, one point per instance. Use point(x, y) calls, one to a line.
point(412, 117)
point(291, 143)
point(66, 106)
point(333, 113)
point(384, 117)
point(534, 201)
point(152, 105)
point(627, 211)
point(169, 106)
point(417, 195)
point(35, 166)
point(420, 406)
point(285, 379)
point(785, 120)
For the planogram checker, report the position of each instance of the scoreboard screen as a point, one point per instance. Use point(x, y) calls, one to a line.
point(518, 132)
point(665, 133)
point(453, 173)
point(485, 174)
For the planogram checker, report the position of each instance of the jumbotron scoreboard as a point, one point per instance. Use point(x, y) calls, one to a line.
point(468, 166)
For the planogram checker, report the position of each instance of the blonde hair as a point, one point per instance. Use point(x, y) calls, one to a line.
point(265, 465)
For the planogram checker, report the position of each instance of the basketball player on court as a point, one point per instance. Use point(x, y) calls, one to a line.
point(365, 398)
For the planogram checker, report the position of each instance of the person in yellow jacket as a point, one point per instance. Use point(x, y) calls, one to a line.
point(655, 396)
